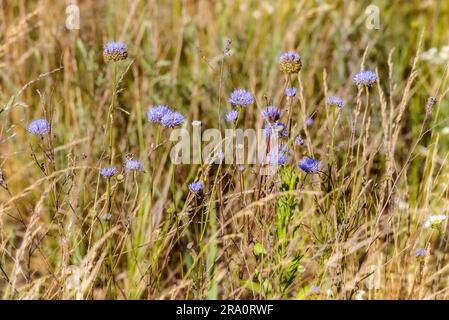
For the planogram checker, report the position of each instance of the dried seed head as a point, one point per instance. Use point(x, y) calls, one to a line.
point(290, 62)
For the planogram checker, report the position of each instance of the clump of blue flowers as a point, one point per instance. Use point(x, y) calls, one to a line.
point(39, 127)
point(290, 92)
point(299, 141)
point(271, 114)
point(133, 165)
point(196, 186)
point(232, 116)
point(277, 128)
point(278, 156)
point(172, 119)
point(365, 78)
point(241, 98)
point(335, 102)
point(420, 252)
point(115, 51)
point(108, 172)
point(156, 113)
point(290, 62)
point(165, 116)
point(309, 165)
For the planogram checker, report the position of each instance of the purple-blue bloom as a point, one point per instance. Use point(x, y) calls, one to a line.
point(335, 101)
point(115, 51)
point(278, 156)
point(172, 119)
point(289, 56)
point(309, 165)
point(232, 116)
point(108, 172)
point(299, 141)
point(39, 127)
point(420, 252)
point(271, 114)
point(133, 165)
point(278, 128)
point(309, 122)
point(290, 92)
point(365, 77)
point(241, 97)
point(156, 113)
point(195, 186)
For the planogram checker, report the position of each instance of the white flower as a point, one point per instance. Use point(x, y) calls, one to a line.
point(434, 221)
point(360, 295)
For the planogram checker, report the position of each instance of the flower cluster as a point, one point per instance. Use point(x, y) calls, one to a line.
point(241, 98)
point(271, 114)
point(115, 51)
point(196, 186)
point(435, 221)
point(165, 116)
point(133, 165)
point(309, 165)
point(277, 128)
point(290, 62)
point(290, 92)
point(108, 172)
point(335, 102)
point(232, 116)
point(365, 78)
point(39, 127)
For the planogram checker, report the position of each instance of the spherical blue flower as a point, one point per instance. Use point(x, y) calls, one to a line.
point(335, 101)
point(115, 51)
point(309, 165)
point(195, 186)
point(241, 97)
point(108, 172)
point(278, 156)
point(290, 62)
point(278, 128)
point(156, 113)
point(309, 122)
point(232, 116)
point(271, 114)
point(365, 78)
point(172, 119)
point(420, 252)
point(314, 289)
point(133, 165)
point(39, 127)
point(290, 92)
point(299, 141)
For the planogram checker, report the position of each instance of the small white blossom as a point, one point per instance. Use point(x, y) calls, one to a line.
point(434, 221)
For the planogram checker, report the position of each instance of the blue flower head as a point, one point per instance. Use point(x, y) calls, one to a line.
point(271, 114)
point(278, 128)
point(309, 165)
point(278, 156)
point(420, 252)
point(133, 165)
point(195, 186)
point(232, 116)
point(290, 62)
point(365, 78)
point(290, 92)
point(108, 172)
point(115, 51)
point(241, 97)
point(172, 119)
point(335, 102)
point(156, 113)
point(309, 122)
point(39, 127)
point(299, 141)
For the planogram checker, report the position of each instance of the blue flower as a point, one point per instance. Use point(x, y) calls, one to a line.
point(290, 92)
point(290, 62)
point(420, 252)
point(195, 186)
point(241, 97)
point(108, 172)
point(278, 156)
point(133, 165)
point(299, 141)
point(232, 116)
point(365, 78)
point(278, 128)
point(115, 51)
point(309, 122)
point(39, 127)
point(156, 113)
point(309, 165)
point(335, 101)
point(314, 289)
point(271, 114)
point(172, 119)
